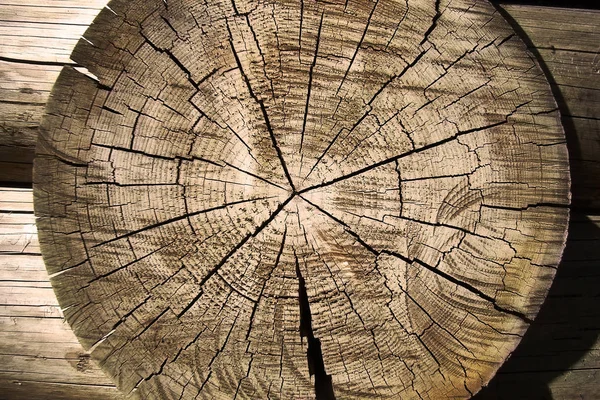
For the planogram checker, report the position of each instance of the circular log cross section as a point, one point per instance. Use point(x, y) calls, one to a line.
point(285, 199)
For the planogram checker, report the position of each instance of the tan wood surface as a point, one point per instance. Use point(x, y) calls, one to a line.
point(571, 68)
point(40, 357)
point(564, 330)
point(558, 358)
point(567, 40)
point(296, 199)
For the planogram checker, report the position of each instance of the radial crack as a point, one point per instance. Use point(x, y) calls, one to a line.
point(405, 154)
point(435, 270)
point(232, 252)
point(179, 218)
point(316, 365)
point(310, 81)
point(357, 47)
point(263, 110)
point(369, 109)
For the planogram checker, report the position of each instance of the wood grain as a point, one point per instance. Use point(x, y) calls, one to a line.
point(340, 200)
point(40, 356)
point(567, 43)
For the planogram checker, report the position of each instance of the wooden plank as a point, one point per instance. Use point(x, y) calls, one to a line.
point(40, 357)
point(20, 268)
point(93, 4)
point(30, 296)
point(41, 352)
point(16, 219)
point(41, 30)
point(22, 76)
point(23, 197)
point(17, 229)
point(572, 68)
point(44, 369)
point(558, 28)
point(47, 15)
point(20, 235)
point(14, 172)
point(576, 384)
point(19, 124)
point(17, 243)
point(15, 206)
point(25, 88)
point(36, 344)
point(580, 102)
point(35, 390)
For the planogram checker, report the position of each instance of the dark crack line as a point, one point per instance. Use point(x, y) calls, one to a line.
point(157, 156)
point(275, 265)
point(196, 85)
point(262, 56)
point(255, 176)
point(398, 26)
point(300, 31)
point(176, 219)
point(226, 127)
point(357, 47)
point(35, 62)
point(528, 206)
point(462, 284)
point(377, 253)
point(316, 364)
point(347, 296)
point(435, 270)
point(310, 81)
point(434, 21)
point(173, 58)
point(400, 191)
point(263, 110)
point(219, 351)
point(398, 157)
point(233, 251)
point(433, 320)
point(234, 289)
point(125, 266)
point(51, 151)
point(367, 113)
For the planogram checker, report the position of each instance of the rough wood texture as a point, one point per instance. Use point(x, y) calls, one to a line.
point(40, 356)
point(565, 39)
point(568, 43)
point(36, 40)
point(340, 200)
point(558, 357)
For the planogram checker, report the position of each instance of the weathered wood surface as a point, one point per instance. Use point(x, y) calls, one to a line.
point(557, 359)
point(40, 357)
point(36, 40)
point(567, 40)
point(568, 43)
point(297, 199)
point(568, 321)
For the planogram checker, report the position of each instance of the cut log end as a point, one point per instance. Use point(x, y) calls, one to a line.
point(330, 200)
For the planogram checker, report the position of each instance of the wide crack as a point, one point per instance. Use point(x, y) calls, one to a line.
point(316, 365)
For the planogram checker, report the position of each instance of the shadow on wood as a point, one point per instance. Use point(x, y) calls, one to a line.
point(561, 343)
point(563, 336)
